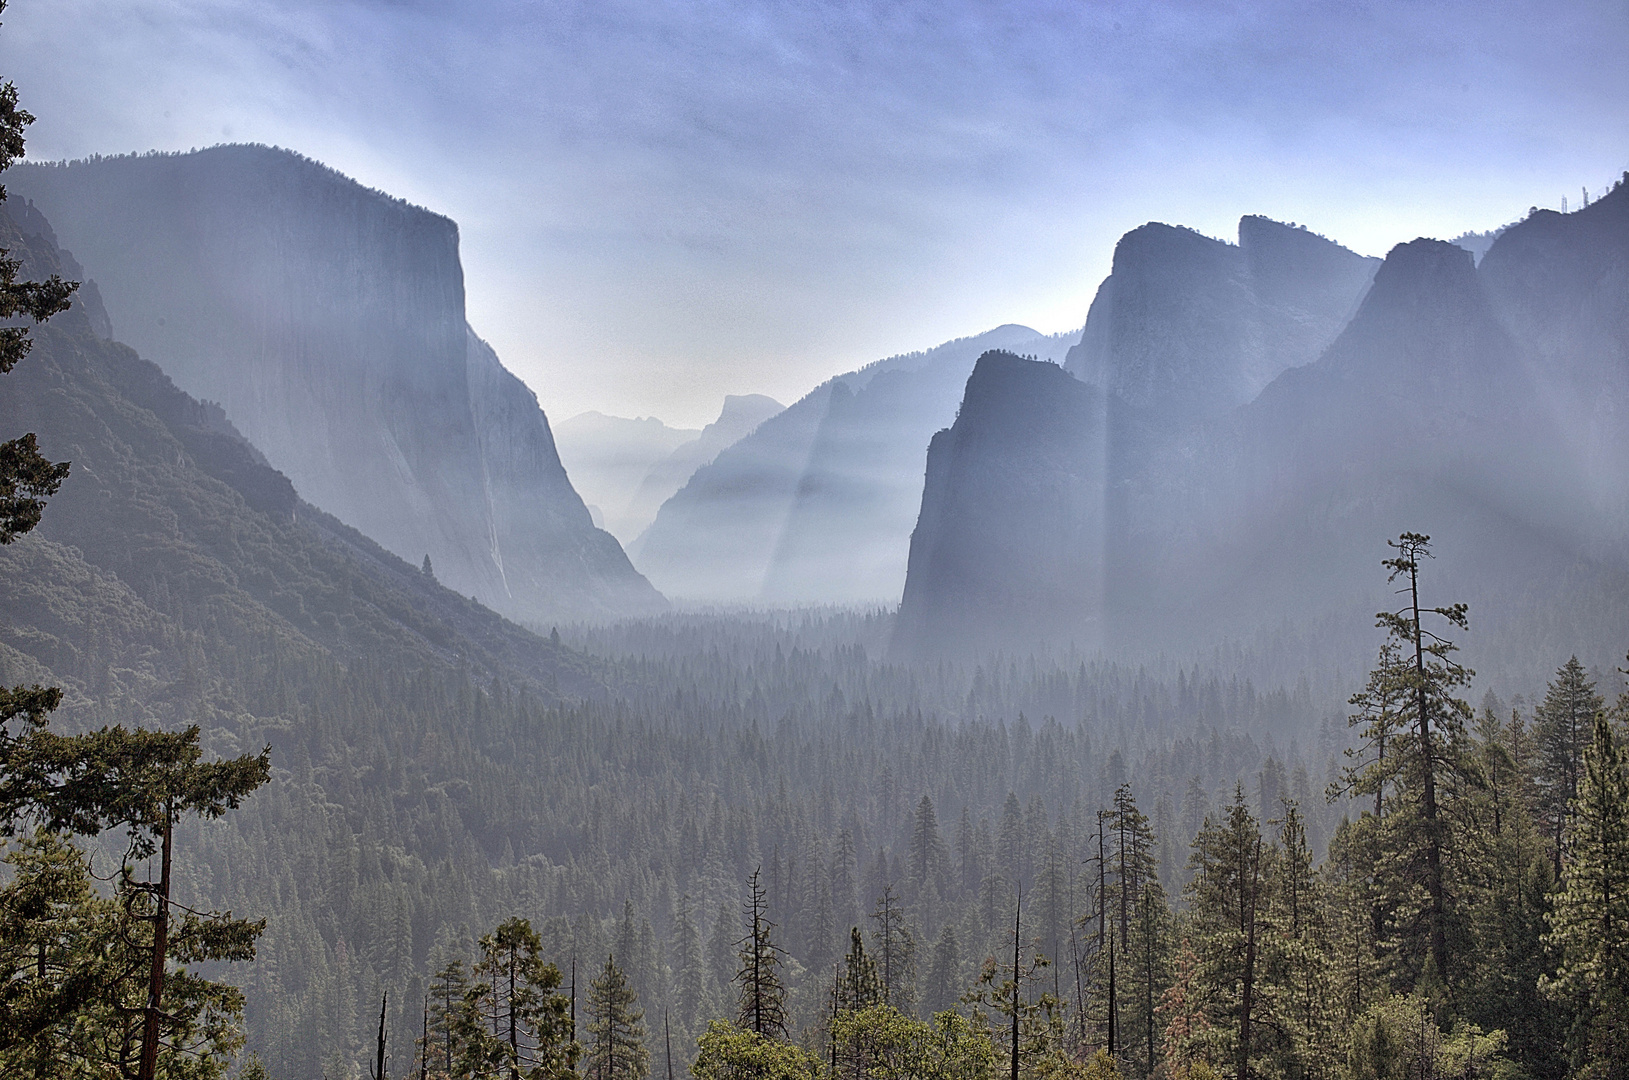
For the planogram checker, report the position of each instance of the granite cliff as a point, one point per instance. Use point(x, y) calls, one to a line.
point(1253, 484)
point(1007, 552)
point(327, 320)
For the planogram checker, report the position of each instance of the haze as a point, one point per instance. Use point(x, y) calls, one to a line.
point(661, 204)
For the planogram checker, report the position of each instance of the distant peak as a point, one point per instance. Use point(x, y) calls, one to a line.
point(1157, 239)
point(1423, 259)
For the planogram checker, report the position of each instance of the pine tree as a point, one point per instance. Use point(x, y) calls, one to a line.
point(1380, 709)
point(514, 1019)
point(1228, 920)
point(27, 478)
point(616, 1028)
point(1351, 897)
point(762, 1002)
point(895, 948)
point(1589, 926)
point(1412, 692)
point(1507, 888)
point(927, 850)
point(447, 989)
point(1294, 971)
point(945, 976)
point(690, 975)
point(858, 985)
point(1141, 919)
point(1565, 721)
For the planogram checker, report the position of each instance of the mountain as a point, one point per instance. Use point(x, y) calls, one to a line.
point(1012, 511)
point(328, 322)
point(176, 571)
point(1479, 405)
point(608, 456)
point(817, 504)
point(1186, 327)
point(740, 417)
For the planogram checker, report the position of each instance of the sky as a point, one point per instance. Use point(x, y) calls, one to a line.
point(661, 202)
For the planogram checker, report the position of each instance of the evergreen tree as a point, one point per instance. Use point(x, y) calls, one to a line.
point(447, 989)
point(762, 1003)
point(690, 975)
point(927, 851)
point(1589, 927)
point(895, 948)
point(616, 1029)
point(945, 976)
point(858, 986)
point(514, 1020)
point(1565, 722)
point(1228, 922)
point(1436, 719)
point(27, 478)
point(1294, 970)
point(1508, 884)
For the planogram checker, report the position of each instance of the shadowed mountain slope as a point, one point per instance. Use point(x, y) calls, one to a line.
point(175, 567)
point(1008, 549)
point(328, 321)
point(817, 504)
point(1448, 405)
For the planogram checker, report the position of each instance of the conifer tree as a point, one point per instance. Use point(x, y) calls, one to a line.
point(1228, 921)
point(27, 478)
point(895, 948)
point(1589, 927)
point(447, 989)
point(927, 850)
point(945, 977)
point(514, 1021)
point(858, 986)
point(1426, 771)
point(616, 1028)
point(1507, 890)
point(690, 981)
point(762, 1003)
point(1565, 721)
point(1141, 919)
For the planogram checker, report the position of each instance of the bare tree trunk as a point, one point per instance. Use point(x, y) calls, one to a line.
point(161, 945)
point(379, 1068)
point(1428, 791)
point(1017, 938)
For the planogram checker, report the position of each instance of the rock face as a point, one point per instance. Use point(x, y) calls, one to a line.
point(1007, 552)
point(1257, 482)
point(173, 549)
point(328, 322)
point(1187, 328)
point(817, 504)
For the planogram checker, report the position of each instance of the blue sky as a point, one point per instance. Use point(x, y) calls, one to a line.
point(664, 202)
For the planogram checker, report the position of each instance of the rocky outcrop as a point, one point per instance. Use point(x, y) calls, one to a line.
point(1007, 552)
point(817, 504)
point(328, 322)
